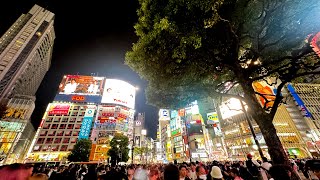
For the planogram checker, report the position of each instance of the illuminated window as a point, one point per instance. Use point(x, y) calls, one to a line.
point(70, 126)
point(57, 140)
point(62, 126)
point(63, 147)
point(66, 140)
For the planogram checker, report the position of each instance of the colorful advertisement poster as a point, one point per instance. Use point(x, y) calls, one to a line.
point(86, 124)
point(212, 118)
point(82, 85)
point(299, 101)
point(267, 90)
point(59, 109)
point(119, 92)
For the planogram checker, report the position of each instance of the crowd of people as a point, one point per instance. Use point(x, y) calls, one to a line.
point(246, 170)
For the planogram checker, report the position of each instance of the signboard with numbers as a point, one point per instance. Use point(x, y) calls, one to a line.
point(86, 124)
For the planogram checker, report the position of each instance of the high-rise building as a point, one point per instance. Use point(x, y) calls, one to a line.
point(305, 109)
point(85, 107)
point(26, 50)
point(25, 55)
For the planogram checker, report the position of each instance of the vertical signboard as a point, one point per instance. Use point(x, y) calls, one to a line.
point(164, 115)
point(86, 124)
point(214, 121)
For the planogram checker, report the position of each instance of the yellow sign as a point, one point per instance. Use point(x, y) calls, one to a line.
point(15, 113)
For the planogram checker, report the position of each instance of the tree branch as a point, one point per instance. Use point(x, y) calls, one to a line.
point(306, 73)
point(277, 100)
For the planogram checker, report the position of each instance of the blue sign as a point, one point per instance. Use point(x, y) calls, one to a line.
point(78, 98)
point(299, 101)
point(86, 124)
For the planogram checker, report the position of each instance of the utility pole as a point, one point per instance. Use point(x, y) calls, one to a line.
point(133, 137)
point(188, 139)
point(251, 129)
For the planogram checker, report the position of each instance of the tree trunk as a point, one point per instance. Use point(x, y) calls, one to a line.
point(269, 132)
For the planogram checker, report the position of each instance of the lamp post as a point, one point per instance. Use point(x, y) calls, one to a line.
point(133, 137)
point(190, 148)
point(251, 129)
point(250, 126)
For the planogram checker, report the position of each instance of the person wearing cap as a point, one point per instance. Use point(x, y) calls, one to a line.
point(216, 173)
point(253, 167)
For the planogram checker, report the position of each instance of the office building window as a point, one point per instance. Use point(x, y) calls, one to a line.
point(57, 140)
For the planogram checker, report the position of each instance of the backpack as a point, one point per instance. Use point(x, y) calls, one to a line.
point(252, 168)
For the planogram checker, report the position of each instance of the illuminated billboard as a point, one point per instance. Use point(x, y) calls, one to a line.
point(77, 98)
point(214, 121)
point(81, 85)
point(59, 109)
point(164, 115)
point(118, 92)
point(86, 124)
point(267, 88)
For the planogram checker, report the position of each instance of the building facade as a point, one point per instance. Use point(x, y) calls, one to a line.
point(85, 107)
point(16, 131)
point(25, 52)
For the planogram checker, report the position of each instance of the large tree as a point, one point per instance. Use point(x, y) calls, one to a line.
point(189, 49)
point(81, 151)
point(119, 151)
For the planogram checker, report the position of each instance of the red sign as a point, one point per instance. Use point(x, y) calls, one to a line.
point(78, 98)
point(59, 109)
point(41, 124)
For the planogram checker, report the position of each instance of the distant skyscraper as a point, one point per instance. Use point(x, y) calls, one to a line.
point(25, 52)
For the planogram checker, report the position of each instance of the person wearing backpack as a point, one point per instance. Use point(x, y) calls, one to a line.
point(253, 167)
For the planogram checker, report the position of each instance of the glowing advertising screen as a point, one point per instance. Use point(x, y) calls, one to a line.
point(11, 126)
point(16, 113)
point(299, 101)
point(59, 109)
point(82, 85)
point(77, 98)
point(119, 92)
point(268, 88)
point(86, 124)
point(112, 114)
point(214, 121)
point(315, 43)
point(164, 115)
point(231, 107)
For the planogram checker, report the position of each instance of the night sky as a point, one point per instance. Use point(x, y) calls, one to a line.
point(90, 38)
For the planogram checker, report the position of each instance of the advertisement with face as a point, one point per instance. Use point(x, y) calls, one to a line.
point(81, 85)
point(118, 92)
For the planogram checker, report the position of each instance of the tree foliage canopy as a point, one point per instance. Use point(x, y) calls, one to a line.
point(119, 148)
point(81, 151)
point(190, 49)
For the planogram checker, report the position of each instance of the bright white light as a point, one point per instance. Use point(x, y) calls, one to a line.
point(119, 92)
point(144, 132)
point(294, 151)
point(255, 147)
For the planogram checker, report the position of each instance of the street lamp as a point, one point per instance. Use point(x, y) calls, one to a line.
point(250, 126)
